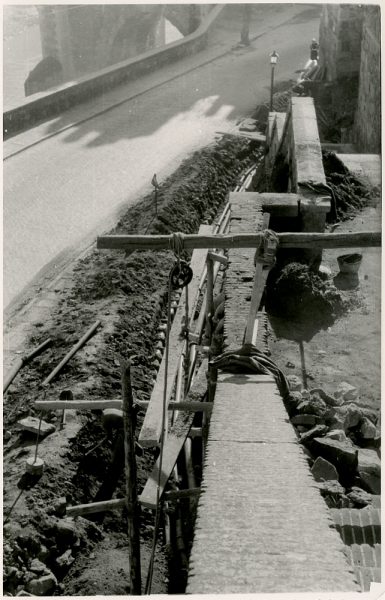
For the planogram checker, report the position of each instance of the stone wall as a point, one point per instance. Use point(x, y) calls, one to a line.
point(45, 105)
point(340, 39)
point(367, 125)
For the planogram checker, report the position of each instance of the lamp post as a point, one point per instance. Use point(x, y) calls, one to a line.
point(273, 61)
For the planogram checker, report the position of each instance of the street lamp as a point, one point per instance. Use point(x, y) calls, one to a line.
point(273, 61)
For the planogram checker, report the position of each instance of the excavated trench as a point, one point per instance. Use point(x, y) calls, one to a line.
point(129, 295)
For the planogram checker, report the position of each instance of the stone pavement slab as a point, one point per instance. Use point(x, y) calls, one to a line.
point(262, 525)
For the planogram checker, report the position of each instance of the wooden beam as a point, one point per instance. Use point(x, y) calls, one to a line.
point(24, 360)
point(77, 404)
point(250, 135)
point(174, 443)
point(214, 256)
point(361, 239)
point(133, 508)
point(178, 494)
point(72, 352)
point(101, 404)
point(95, 507)
point(191, 407)
point(152, 425)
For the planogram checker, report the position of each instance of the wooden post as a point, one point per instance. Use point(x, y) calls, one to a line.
point(131, 489)
point(210, 298)
point(303, 365)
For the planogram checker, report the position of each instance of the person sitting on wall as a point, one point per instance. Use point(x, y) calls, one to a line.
point(314, 47)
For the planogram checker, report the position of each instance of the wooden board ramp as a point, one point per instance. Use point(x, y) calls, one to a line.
point(173, 443)
point(152, 425)
point(262, 525)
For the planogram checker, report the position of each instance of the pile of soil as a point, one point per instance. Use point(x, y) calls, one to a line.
point(128, 294)
point(348, 193)
point(296, 293)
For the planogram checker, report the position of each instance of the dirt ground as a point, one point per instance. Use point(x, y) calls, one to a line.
point(349, 349)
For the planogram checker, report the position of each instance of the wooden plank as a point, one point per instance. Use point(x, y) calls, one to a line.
point(361, 239)
point(151, 430)
point(250, 135)
point(174, 443)
point(260, 276)
point(191, 407)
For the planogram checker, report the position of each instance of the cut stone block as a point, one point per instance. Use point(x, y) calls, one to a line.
point(337, 434)
point(368, 430)
point(342, 455)
point(323, 470)
point(305, 420)
point(31, 424)
point(369, 469)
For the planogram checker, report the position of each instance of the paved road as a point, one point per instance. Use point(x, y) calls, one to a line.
point(71, 186)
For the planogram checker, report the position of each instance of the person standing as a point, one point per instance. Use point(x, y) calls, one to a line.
point(314, 47)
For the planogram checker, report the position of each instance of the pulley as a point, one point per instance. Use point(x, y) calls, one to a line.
point(181, 274)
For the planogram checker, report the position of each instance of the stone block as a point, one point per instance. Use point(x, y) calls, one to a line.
point(316, 431)
point(343, 455)
point(323, 470)
point(330, 400)
point(337, 434)
point(368, 430)
point(305, 419)
point(43, 585)
point(315, 406)
point(359, 497)
point(31, 424)
point(346, 391)
point(295, 384)
point(369, 469)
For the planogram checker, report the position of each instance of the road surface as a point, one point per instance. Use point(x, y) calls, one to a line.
point(66, 189)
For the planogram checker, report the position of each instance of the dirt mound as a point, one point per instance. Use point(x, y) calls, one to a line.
point(297, 294)
point(349, 194)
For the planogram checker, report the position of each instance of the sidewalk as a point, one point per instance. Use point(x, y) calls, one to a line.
point(224, 38)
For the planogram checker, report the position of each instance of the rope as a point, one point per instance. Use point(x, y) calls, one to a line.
point(177, 244)
point(267, 249)
point(249, 359)
point(162, 439)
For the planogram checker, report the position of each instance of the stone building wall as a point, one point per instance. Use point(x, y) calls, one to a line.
point(340, 40)
point(367, 124)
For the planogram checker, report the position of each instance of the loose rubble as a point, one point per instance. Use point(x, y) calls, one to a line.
point(336, 431)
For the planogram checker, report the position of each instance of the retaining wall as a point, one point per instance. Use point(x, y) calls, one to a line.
point(46, 105)
point(367, 123)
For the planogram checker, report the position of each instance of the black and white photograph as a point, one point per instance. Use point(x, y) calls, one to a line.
point(192, 218)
